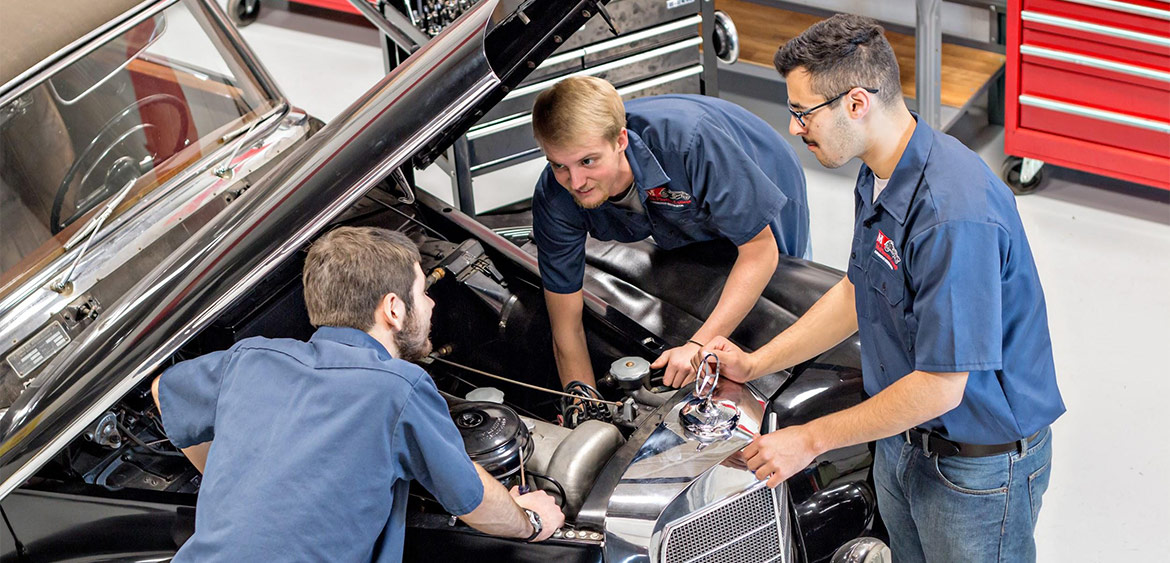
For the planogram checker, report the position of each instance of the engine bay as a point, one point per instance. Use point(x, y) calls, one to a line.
point(492, 362)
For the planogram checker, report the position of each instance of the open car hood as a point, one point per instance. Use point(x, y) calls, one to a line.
point(409, 117)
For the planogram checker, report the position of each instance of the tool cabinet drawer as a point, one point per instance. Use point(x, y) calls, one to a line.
point(1095, 81)
point(1141, 16)
point(1096, 125)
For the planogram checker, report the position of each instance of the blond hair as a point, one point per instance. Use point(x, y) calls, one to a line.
point(576, 109)
point(350, 269)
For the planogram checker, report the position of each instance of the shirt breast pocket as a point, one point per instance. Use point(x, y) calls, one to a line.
point(888, 283)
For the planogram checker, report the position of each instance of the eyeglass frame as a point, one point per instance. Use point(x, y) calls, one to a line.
point(800, 115)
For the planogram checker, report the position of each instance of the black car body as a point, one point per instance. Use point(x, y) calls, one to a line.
point(202, 245)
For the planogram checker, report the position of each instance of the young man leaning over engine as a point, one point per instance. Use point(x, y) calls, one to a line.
point(308, 448)
point(955, 351)
point(679, 168)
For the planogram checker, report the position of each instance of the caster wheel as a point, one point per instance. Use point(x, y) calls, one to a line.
point(243, 12)
point(1012, 171)
point(725, 38)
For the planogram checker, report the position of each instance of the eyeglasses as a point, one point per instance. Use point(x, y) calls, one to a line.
point(799, 115)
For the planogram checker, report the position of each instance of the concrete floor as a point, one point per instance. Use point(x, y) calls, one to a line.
point(1102, 248)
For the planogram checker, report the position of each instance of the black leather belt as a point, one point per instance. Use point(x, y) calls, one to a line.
point(934, 443)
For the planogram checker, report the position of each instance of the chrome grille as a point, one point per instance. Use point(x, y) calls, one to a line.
point(750, 527)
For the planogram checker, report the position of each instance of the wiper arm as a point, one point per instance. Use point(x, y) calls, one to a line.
point(88, 233)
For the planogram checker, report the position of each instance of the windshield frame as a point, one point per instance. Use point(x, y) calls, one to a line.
point(18, 293)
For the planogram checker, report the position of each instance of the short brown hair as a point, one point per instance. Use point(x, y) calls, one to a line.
point(577, 107)
point(350, 269)
point(843, 52)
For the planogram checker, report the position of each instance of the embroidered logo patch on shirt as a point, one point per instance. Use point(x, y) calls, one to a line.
point(885, 250)
point(663, 196)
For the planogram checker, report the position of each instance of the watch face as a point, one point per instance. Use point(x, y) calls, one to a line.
point(534, 519)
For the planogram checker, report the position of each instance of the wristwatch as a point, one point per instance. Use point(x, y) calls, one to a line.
point(537, 527)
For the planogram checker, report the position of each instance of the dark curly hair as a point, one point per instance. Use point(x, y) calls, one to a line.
point(845, 51)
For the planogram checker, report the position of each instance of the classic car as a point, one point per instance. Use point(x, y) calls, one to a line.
point(157, 195)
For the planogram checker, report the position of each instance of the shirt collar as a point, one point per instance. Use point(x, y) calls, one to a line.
point(648, 173)
point(899, 192)
point(351, 337)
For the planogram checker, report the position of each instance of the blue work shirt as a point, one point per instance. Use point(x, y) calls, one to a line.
point(704, 168)
point(315, 444)
point(945, 282)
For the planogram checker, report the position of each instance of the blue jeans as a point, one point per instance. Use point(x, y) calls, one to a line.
point(960, 509)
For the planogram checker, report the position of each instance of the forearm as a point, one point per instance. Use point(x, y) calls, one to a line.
point(568, 335)
point(745, 283)
point(916, 398)
point(497, 514)
point(830, 320)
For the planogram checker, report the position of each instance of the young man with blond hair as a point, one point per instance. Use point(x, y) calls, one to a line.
point(308, 448)
point(955, 351)
point(679, 168)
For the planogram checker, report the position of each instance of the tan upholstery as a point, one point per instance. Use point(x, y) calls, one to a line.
point(32, 30)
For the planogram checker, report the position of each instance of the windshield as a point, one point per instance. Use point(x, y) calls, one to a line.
point(132, 112)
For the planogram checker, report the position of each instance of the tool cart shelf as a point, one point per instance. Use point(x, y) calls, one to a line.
point(963, 71)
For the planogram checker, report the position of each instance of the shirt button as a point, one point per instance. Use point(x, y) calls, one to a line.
point(852, 255)
point(883, 286)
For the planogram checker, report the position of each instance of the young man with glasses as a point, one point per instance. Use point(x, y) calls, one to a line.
point(955, 349)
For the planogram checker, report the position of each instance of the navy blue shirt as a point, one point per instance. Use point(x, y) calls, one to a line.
point(945, 282)
point(705, 169)
point(315, 444)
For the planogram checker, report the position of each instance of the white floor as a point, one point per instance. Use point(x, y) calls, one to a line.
point(1102, 247)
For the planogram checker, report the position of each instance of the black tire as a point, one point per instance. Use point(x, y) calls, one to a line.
point(243, 12)
point(1010, 172)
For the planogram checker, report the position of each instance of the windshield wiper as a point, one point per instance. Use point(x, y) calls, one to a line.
point(88, 232)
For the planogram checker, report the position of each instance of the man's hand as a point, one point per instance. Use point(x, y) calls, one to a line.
point(780, 454)
point(734, 363)
point(680, 370)
point(540, 502)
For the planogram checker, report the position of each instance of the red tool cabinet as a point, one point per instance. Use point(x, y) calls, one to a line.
point(1088, 87)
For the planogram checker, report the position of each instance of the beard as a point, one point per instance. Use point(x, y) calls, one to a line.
point(588, 204)
point(839, 144)
point(414, 341)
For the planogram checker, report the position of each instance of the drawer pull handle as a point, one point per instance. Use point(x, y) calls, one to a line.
point(1094, 62)
point(620, 41)
point(1067, 23)
point(594, 71)
point(1092, 113)
point(1125, 7)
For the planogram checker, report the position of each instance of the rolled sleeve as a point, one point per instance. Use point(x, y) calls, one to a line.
point(741, 199)
point(560, 243)
point(431, 450)
point(187, 395)
point(955, 273)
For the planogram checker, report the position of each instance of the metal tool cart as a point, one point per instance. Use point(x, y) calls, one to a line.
point(644, 47)
point(1088, 88)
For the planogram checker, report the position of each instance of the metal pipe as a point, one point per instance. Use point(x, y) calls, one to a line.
point(928, 61)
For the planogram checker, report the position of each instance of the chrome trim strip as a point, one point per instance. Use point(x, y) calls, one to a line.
point(1102, 64)
point(520, 120)
point(1039, 17)
point(623, 40)
point(1092, 113)
point(1125, 7)
point(538, 86)
point(88, 43)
